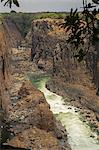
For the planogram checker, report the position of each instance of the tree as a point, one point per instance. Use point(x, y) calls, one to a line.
point(10, 2)
point(81, 26)
point(83, 29)
point(96, 1)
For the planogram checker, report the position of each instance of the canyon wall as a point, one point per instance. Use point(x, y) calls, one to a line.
point(26, 121)
point(5, 68)
point(13, 31)
point(50, 51)
point(9, 37)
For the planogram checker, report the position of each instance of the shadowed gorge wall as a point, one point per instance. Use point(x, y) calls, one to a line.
point(49, 49)
point(92, 63)
point(14, 34)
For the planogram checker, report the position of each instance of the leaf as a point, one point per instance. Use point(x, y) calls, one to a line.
point(96, 1)
point(75, 12)
point(68, 28)
point(16, 3)
point(10, 2)
point(80, 56)
point(71, 12)
point(6, 3)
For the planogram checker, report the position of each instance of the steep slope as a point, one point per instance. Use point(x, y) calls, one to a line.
point(5, 76)
point(27, 121)
point(5, 68)
point(52, 54)
point(31, 113)
point(14, 34)
point(49, 48)
point(9, 37)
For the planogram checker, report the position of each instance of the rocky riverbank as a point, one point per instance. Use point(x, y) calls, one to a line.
point(81, 97)
point(31, 123)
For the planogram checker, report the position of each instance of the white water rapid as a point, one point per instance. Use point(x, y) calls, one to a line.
point(78, 132)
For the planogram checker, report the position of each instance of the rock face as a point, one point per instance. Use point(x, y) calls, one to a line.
point(9, 37)
point(5, 76)
point(13, 31)
point(33, 124)
point(52, 54)
point(32, 109)
point(29, 121)
point(5, 55)
point(35, 139)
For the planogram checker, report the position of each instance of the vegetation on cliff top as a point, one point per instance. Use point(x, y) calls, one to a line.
point(23, 20)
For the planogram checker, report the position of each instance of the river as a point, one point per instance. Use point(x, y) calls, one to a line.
point(79, 133)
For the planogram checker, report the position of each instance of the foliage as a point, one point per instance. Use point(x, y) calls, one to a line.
point(10, 2)
point(53, 15)
point(96, 1)
point(23, 20)
point(82, 26)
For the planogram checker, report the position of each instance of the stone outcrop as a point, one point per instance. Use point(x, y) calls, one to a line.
point(32, 109)
point(33, 124)
point(35, 139)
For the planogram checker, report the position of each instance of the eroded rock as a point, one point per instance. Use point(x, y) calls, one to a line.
point(35, 139)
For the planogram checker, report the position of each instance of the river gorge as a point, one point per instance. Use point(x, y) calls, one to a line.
point(44, 90)
point(79, 133)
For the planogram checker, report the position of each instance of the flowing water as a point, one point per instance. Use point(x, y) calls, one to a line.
point(78, 131)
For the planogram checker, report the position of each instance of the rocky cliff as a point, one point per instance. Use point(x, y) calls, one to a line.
point(31, 119)
point(13, 31)
point(52, 54)
point(5, 68)
point(5, 76)
point(27, 122)
point(9, 37)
